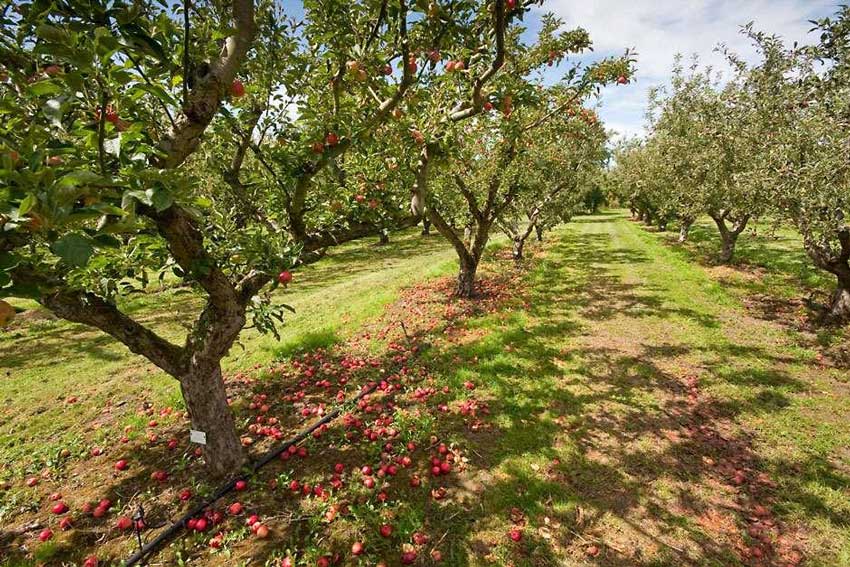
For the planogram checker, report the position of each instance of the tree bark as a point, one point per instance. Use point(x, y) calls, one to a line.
point(426, 226)
point(466, 277)
point(519, 245)
point(206, 401)
point(729, 236)
point(685, 229)
point(835, 260)
point(539, 230)
point(839, 309)
point(383, 238)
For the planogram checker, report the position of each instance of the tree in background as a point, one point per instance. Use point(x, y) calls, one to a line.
point(102, 107)
point(464, 188)
point(558, 176)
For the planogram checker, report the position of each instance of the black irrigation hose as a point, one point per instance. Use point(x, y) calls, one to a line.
point(172, 531)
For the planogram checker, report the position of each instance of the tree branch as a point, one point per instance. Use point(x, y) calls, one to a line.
point(204, 100)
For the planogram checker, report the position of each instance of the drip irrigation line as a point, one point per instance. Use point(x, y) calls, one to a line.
point(171, 532)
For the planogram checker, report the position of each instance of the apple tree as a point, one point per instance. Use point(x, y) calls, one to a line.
point(573, 144)
point(464, 188)
point(102, 106)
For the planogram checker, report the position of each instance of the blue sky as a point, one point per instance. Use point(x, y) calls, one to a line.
point(658, 30)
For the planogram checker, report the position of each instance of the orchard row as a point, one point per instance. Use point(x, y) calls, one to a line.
point(221, 149)
point(770, 143)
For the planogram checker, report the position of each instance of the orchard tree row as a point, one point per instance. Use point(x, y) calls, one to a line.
point(219, 145)
point(771, 143)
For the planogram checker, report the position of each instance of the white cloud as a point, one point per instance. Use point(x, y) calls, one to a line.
point(659, 29)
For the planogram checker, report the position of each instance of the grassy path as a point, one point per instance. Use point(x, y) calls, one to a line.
point(645, 418)
point(640, 413)
point(332, 299)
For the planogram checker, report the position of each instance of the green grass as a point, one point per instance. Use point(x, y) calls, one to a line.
point(46, 361)
point(593, 378)
point(627, 381)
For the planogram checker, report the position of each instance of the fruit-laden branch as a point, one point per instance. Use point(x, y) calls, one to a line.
point(231, 173)
point(306, 173)
point(477, 102)
point(205, 98)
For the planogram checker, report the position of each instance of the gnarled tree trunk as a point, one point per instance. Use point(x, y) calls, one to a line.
point(839, 308)
point(685, 228)
point(539, 231)
point(729, 236)
point(206, 401)
point(835, 260)
point(518, 246)
point(466, 277)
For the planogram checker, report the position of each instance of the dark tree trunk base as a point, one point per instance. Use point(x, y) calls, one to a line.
point(539, 232)
point(206, 401)
point(383, 239)
point(517, 251)
point(727, 251)
point(466, 283)
point(839, 309)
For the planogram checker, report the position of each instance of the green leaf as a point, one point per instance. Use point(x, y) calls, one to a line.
point(160, 198)
point(84, 177)
point(27, 204)
point(74, 248)
point(53, 34)
point(44, 88)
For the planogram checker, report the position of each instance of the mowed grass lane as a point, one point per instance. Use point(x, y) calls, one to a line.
point(646, 417)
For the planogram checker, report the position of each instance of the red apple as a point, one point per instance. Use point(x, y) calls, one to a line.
point(622, 80)
point(339, 468)
point(60, 508)
point(185, 494)
point(236, 509)
point(386, 530)
point(65, 523)
point(515, 534)
point(357, 548)
point(45, 534)
point(240, 485)
point(121, 465)
point(237, 89)
point(331, 139)
point(262, 532)
point(284, 277)
point(124, 523)
point(90, 561)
